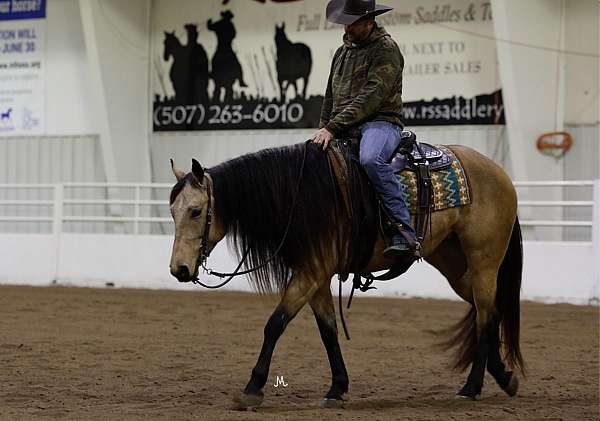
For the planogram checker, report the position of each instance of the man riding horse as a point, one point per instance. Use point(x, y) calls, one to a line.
point(292, 237)
point(364, 92)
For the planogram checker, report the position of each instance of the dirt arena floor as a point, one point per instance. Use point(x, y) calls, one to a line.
point(89, 354)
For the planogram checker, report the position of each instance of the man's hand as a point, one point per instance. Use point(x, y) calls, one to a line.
point(322, 137)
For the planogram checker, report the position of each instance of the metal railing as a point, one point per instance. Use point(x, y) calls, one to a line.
point(87, 200)
point(114, 205)
point(592, 204)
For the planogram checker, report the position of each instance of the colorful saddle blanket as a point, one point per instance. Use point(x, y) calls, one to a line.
point(450, 187)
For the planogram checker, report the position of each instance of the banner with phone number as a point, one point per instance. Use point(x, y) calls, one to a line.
point(264, 64)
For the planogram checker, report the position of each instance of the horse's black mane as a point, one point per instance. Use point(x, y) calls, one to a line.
point(253, 199)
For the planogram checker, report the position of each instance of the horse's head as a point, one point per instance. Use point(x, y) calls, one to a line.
point(170, 43)
point(280, 33)
point(196, 229)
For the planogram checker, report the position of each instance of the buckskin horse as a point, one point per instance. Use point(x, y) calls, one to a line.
point(276, 206)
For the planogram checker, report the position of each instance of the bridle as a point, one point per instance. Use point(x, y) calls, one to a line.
point(204, 246)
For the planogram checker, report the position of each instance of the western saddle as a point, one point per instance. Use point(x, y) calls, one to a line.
point(422, 159)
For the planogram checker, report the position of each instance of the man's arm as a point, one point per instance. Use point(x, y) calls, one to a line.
point(328, 100)
point(385, 69)
point(327, 105)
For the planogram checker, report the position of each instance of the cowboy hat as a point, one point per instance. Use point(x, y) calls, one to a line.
point(346, 12)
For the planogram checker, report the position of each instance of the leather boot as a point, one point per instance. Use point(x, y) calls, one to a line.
point(404, 244)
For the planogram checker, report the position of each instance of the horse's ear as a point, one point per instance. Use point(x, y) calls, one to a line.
point(198, 171)
point(179, 175)
point(282, 25)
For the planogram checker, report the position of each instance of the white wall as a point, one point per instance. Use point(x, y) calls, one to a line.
point(529, 78)
point(117, 40)
point(67, 81)
point(538, 76)
point(28, 259)
point(582, 68)
point(142, 262)
point(50, 159)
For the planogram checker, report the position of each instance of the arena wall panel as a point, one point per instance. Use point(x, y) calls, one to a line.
point(553, 272)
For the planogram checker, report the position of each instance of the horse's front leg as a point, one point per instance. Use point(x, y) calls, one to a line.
point(299, 291)
point(283, 85)
point(322, 306)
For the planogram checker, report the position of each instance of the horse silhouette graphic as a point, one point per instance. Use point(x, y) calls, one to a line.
point(6, 115)
point(189, 71)
point(294, 61)
point(226, 68)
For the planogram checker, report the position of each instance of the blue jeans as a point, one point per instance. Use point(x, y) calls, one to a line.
point(379, 141)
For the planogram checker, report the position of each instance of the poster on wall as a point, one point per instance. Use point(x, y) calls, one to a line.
point(264, 64)
point(22, 81)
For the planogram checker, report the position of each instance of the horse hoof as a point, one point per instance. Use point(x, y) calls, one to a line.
point(332, 403)
point(513, 386)
point(245, 401)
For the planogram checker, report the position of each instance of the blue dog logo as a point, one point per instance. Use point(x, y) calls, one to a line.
point(5, 115)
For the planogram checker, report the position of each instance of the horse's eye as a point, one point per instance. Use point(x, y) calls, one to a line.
point(196, 212)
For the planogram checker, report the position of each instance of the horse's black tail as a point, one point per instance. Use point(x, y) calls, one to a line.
point(508, 297)
point(463, 335)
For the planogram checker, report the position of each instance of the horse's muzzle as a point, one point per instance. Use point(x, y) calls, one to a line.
point(182, 273)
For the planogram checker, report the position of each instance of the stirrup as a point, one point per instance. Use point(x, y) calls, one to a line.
point(396, 251)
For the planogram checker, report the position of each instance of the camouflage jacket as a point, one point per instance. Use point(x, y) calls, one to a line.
point(365, 84)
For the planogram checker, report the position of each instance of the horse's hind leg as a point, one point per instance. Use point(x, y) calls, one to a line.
point(505, 379)
point(322, 306)
point(299, 291)
point(483, 280)
point(228, 93)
